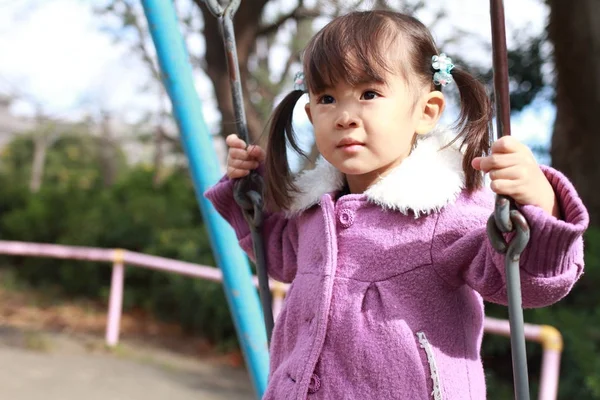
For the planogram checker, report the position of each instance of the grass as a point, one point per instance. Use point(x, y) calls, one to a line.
point(37, 341)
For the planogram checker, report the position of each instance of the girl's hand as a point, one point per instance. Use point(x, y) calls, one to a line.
point(241, 158)
point(515, 173)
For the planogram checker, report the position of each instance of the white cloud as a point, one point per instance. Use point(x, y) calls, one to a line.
point(56, 54)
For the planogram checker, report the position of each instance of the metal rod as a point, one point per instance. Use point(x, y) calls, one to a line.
point(115, 303)
point(263, 282)
point(228, 34)
point(205, 171)
point(251, 185)
point(501, 92)
point(517, 336)
point(503, 222)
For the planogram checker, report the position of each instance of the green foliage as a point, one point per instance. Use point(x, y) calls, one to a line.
point(73, 159)
point(526, 61)
point(525, 70)
point(577, 317)
point(134, 214)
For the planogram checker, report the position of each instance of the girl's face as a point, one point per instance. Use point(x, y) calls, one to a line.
point(368, 129)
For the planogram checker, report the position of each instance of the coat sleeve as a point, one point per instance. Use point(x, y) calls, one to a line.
point(279, 233)
point(550, 264)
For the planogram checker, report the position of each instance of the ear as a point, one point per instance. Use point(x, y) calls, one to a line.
point(308, 114)
point(431, 107)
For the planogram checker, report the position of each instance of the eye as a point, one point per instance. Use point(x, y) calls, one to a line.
point(326, 99)
point(369, 95)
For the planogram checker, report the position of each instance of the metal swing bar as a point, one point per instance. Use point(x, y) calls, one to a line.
point(506, 218)
point(248, 190)
point(177, 77)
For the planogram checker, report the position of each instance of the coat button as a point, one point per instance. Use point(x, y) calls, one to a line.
point(346, 218)
point(315, 384)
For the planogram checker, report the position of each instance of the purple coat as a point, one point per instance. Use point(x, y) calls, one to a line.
point(387, 287)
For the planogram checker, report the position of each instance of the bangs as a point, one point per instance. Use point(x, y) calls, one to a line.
point(341, 52)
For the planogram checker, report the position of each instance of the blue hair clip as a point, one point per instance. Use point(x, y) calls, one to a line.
point(299, 83)
point(443, 65)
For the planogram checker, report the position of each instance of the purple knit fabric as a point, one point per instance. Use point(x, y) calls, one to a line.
point(388, 306)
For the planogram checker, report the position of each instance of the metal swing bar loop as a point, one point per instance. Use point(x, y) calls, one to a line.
point(506, 218)
point(248, 190)
point(218, 10)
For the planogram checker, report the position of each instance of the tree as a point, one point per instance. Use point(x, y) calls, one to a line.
point(73, 158)
point(573, 30)
point(129, 16)
point(248, 30)
point(45, 133)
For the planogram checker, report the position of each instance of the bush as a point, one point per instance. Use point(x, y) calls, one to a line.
point(577, 317)
point(132, 214)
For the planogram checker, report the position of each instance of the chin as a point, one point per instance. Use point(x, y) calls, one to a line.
point(350, 165)
point(349, 169)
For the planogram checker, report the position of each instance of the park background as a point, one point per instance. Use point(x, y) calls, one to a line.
point(90, 155)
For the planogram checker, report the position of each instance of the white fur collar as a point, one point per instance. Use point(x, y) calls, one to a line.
point(425, 182)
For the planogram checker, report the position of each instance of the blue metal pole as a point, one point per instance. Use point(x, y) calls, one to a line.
point(204, 167)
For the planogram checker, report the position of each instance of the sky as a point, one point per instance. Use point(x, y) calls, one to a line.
point(56, 54)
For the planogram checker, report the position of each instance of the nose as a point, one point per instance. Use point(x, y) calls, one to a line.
point(346, 120)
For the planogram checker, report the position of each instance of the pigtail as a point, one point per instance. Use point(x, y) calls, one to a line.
point(278, 176)
point(473, 124)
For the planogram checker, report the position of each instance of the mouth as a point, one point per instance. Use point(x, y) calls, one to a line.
point(347, 142)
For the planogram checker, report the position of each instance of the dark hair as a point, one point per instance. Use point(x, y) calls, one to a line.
point(355, 48)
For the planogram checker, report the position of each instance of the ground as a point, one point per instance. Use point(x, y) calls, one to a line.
point(56, 351)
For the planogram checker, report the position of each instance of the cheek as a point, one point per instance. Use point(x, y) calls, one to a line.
point(322, 129)
point(321, 141)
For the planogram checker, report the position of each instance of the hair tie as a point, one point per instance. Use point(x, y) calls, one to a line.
point(299, 83)
point(443, 65)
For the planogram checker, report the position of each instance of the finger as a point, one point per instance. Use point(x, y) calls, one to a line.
point(498, 161)
point(233, 173)
point(253, 153)
point(506, 144)
point(513, 173)
point(241, 164)
point(234, 141)
point(504, 186)
point(256, 152)
point(239, 154)
point(476, 163)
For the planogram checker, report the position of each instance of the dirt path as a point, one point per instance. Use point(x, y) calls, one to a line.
point(53, 349)
point(51, 366)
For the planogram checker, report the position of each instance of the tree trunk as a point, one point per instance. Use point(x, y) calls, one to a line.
point(47, 133)
point(246, 24)
point(575, 33)
point(40, 149)
point(107, 152)
point(159, 139)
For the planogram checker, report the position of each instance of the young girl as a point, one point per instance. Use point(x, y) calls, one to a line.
point(384, 241)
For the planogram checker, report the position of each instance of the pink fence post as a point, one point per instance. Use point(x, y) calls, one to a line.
point(550, 339)
point(278, 291)
point(552, 343)
point(115, 304)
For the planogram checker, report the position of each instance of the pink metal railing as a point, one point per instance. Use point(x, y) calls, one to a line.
point(549, 337)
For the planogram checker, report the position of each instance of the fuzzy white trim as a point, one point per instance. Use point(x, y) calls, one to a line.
point(429, 179)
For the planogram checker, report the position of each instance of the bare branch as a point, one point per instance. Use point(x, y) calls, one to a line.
point(294, 57)
point(334, 8)
point(440, 15)
point(411, 9)
point(298, 14)
point(382, 5)
point(132, 20)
